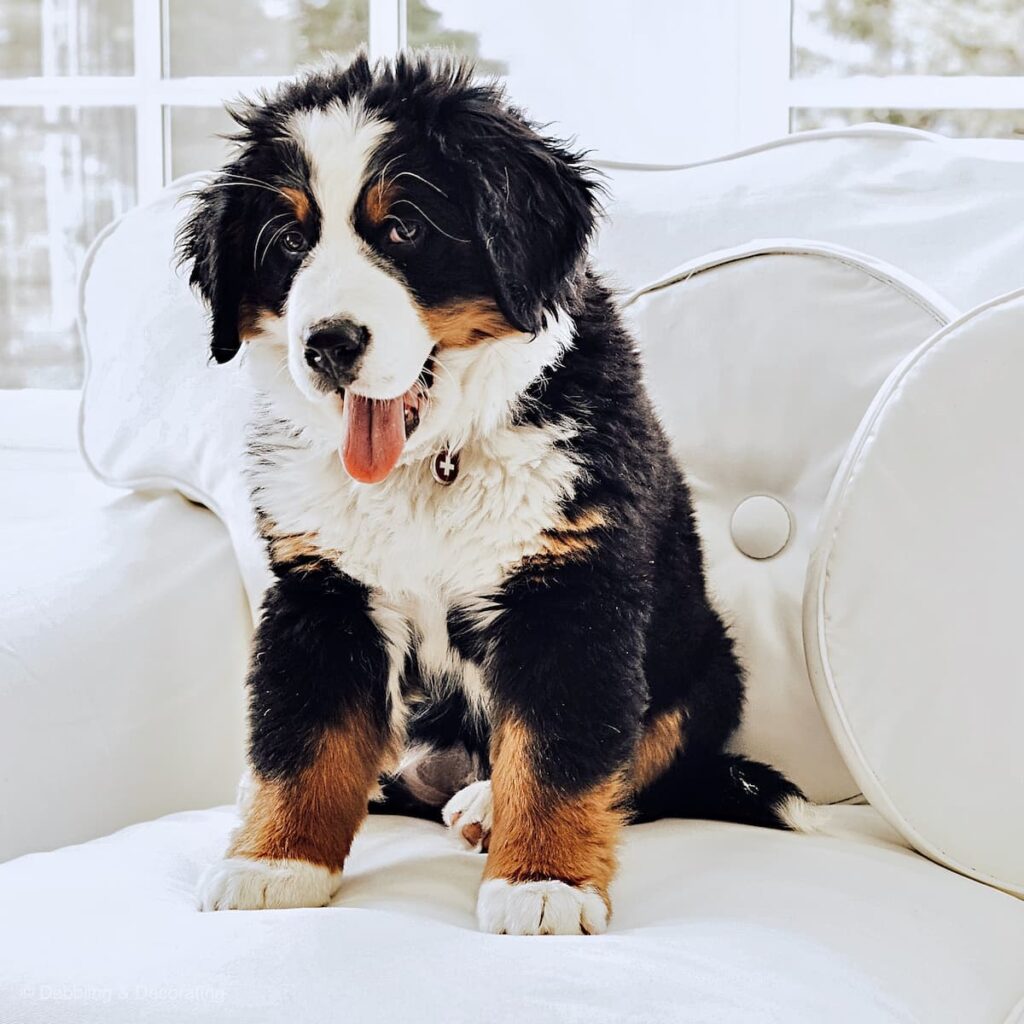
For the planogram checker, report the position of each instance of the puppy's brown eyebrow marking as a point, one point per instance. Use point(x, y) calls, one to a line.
point(378, 201)
point(299, 203)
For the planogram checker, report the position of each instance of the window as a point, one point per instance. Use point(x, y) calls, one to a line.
point(949, 66)
point(104, 101)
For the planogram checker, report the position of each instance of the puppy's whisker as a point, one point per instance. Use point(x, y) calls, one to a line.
point(266, 224)
point(438, 365)
point(277, 234)
point(419, 177)
point(434, 224)
point(254, 181)
point(396, 218)
point(242, 184)
point(383, 172)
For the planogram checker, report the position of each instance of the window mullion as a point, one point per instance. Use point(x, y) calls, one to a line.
point(149, 131)
point(387, 27)
point(86, 91)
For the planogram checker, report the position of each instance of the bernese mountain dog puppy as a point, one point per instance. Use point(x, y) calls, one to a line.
point(487, 572)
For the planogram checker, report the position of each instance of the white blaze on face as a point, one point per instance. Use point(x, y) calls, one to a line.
point(339, 277)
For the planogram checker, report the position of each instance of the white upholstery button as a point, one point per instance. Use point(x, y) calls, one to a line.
point(761, 526)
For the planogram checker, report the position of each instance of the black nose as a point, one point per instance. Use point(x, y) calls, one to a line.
point(334, 348)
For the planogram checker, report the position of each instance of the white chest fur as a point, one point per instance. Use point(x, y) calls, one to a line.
point(423, 548)
point(409, 537)
point(420, 547)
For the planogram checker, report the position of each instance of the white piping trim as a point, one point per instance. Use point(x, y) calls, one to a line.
point(868, 130)
point(926, 298)
point(1017, 1013)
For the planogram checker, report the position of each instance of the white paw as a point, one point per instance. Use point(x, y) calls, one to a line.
point(240, 883)
point(469, 815)
point(540, 908)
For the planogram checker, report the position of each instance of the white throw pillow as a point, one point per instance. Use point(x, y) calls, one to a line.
point(913, 605)
point(762, 361)
point(157, 413)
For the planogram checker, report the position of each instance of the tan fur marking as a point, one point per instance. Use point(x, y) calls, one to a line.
point(253, 322)
point(565, 540)
point(378, 201)
point(315, 816)
point(539, 833)
point(463, 323)
point(560, 547)
point(299, 202)
point(587, 520)
point(295, 546)
point(658, 747)
point(473, 833)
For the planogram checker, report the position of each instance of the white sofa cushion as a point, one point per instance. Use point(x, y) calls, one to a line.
point(123, 642)
point(947, 211)
point(914, 610)
point(712, 922)
point(762, 361)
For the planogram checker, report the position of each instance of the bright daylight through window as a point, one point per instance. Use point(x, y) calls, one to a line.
point(104, 101)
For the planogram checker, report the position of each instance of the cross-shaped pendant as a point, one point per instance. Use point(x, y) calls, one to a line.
point(444, 466)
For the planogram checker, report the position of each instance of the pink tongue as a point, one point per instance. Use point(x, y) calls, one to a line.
point(374, 436)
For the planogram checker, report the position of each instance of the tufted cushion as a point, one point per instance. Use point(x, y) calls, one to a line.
point(914, 599)
point(762, 361)
point(712, 923)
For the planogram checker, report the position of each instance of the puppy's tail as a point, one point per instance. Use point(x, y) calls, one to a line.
point(727, 787)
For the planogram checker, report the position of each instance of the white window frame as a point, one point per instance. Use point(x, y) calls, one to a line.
point(151, 94)
point(765, 93)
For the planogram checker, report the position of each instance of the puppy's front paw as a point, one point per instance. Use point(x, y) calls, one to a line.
point(469, 815)
point(241, 883)
point(549, 907)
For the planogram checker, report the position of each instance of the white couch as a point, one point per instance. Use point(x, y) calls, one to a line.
point(125, 625)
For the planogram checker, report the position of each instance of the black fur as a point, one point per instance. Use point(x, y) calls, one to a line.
point(316, 655)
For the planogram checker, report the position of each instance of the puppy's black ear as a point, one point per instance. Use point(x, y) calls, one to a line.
point(534, 204)
point(209, 238)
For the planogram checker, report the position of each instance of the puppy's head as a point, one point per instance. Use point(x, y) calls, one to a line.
point(374, 220)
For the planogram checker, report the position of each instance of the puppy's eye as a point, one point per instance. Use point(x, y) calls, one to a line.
point(405, 232)
point(294, 241)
